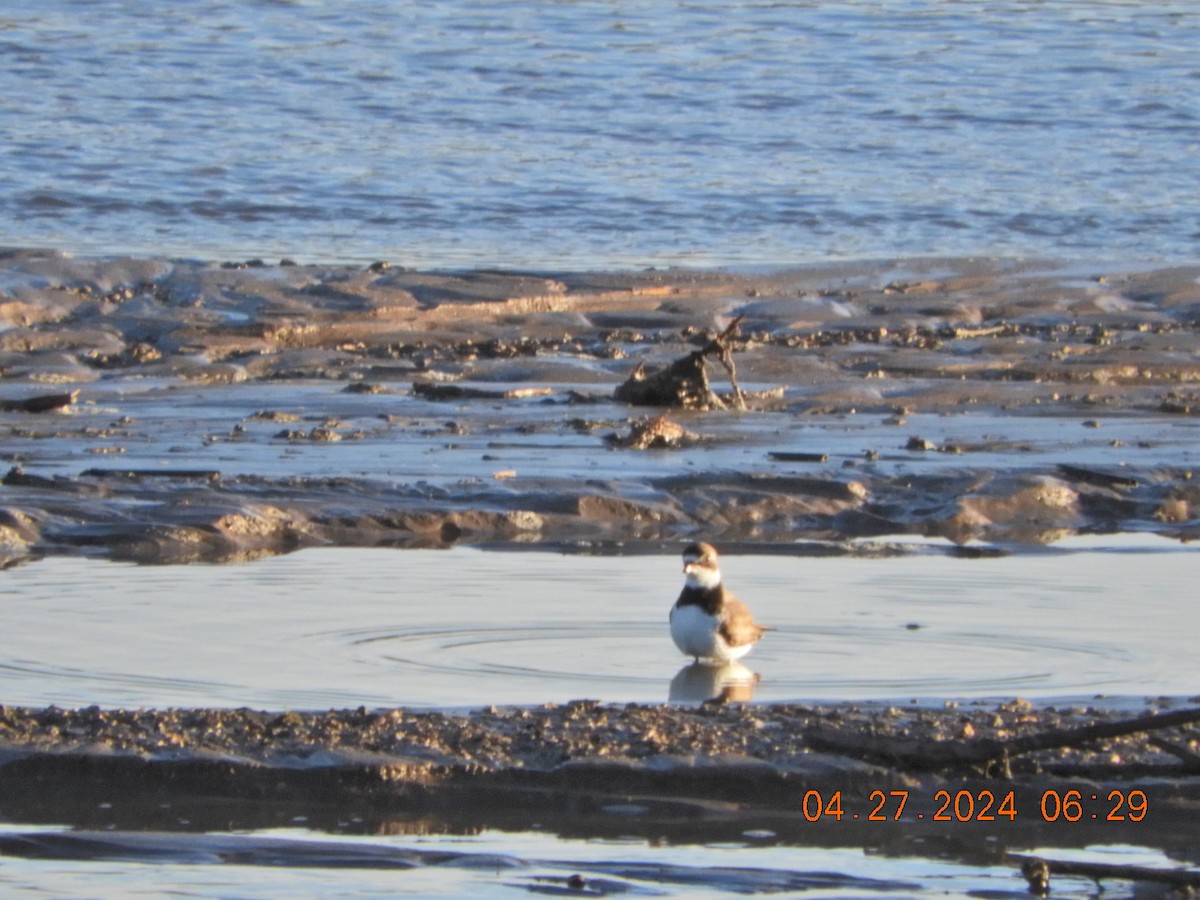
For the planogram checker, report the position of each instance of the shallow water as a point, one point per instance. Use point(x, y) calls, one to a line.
point(294, 863)
point(463, 627)
point(404, 438)
point(467, 627)
point(589, 135)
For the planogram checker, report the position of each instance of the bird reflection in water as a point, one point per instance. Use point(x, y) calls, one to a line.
point(727, 682)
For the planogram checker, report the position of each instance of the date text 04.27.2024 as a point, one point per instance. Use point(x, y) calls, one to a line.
point(984, 806)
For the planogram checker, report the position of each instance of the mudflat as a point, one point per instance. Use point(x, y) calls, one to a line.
point(825, 773)
point(175, 411)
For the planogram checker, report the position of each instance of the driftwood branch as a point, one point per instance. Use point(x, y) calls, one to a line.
point(40, 404)
point(432, 391)
point(685, 381)
point(1183, 754)
point(985, 752)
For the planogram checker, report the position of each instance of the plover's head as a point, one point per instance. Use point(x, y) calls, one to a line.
point(700, 569)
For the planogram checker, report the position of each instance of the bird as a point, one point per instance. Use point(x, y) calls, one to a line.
point(708, 621)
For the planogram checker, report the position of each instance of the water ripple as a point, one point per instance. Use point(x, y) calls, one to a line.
point(332, 627)
point(587, 136)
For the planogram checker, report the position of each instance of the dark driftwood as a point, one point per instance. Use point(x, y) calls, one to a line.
point(181, 474)
point(458, 392)
point(1100, 479)
point(685, 381)
point(40, 404)
point(1190, 760)
point(985, 752)
point(788, 456)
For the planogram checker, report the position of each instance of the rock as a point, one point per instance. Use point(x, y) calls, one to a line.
point(658, 433)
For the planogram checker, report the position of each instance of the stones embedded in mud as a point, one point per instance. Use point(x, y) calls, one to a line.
point(921, 445)
point(1180, 403)
point(586, 736)
point(363, 387)
point(317, 434)
point(271, 415)
point(1174, 509)
point(499, 348)
point(657, 433)
point(136, 354)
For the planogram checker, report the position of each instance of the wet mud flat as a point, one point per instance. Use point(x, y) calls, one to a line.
point(174, 411)
point(971, 783)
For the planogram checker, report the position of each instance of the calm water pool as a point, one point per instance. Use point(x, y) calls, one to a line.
point(465, 627)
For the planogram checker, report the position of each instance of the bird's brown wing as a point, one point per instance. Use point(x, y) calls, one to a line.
point(739, 627)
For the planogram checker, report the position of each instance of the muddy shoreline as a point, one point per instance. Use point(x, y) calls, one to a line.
point(179, 411)
point(584, 769)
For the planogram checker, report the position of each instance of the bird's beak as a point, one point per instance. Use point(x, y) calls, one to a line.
point(688, 566)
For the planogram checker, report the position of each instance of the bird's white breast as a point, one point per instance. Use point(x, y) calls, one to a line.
point(693, 630)
point(695, 633)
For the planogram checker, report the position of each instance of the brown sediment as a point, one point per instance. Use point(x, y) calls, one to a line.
point(654, 433)
point(199, 515)
point(1005, 740)
point(859, 381)
point(708, 770)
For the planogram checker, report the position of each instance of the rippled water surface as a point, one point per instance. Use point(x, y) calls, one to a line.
point(516, 865)
point(464, 627)
point(597, 134)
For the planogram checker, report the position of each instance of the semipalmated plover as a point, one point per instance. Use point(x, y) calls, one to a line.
point(707, 621)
